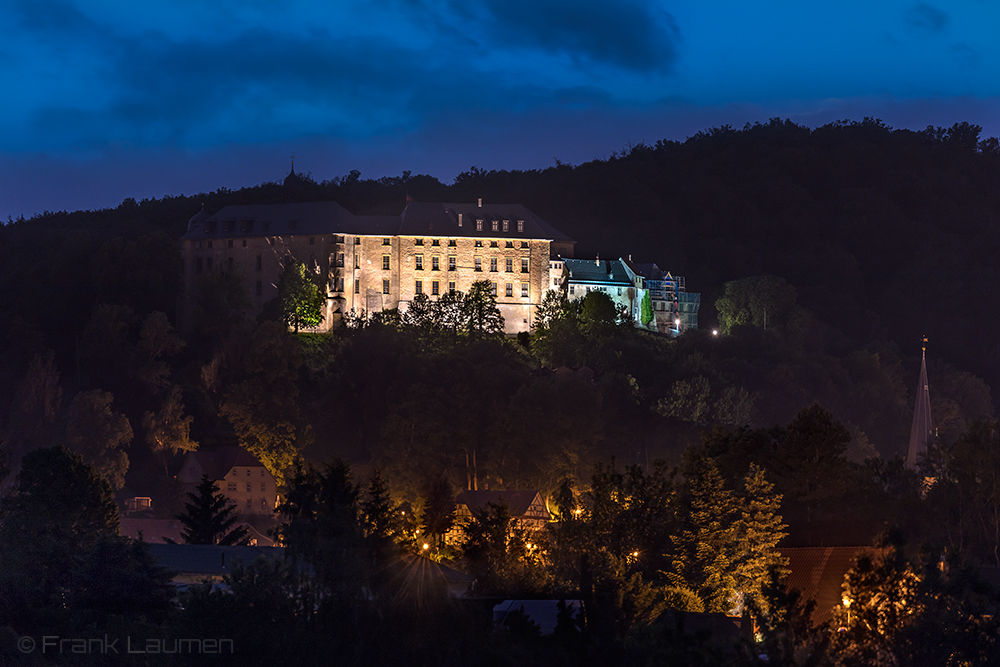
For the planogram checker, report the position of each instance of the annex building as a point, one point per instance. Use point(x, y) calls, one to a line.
point(370, 263)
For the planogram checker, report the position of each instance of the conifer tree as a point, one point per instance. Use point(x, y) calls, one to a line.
point(378, 511)
point(209, 517)
point(705, 549)
point(760, 529)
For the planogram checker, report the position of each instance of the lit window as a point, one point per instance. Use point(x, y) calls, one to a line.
point(524, 265)
point(419, 259)
point(385, 262)
point(506, 225)
point(496, 225)
point(524, 290)
point(385, 287)
point(263, 504)
point(479, 225)
point(451, 262)
point(510, 289)
point(520, 225)
point(510, 265)
point(435, 263)
point(479, 263)
point(435, 288)
point(493, 263)
point(419, 289)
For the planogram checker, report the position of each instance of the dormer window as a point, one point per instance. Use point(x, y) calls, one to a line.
point(228, 225)
point(246, 226)
point(506, 225)
point(496, 225)
point(479, 225)
point(210, 226)
point(520, 225)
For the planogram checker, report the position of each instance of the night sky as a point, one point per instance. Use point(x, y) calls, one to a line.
point(107, 99)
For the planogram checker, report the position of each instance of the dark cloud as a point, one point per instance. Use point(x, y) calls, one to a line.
point(925, 18)
point(635, 34)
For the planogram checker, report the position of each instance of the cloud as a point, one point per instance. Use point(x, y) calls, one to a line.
point(925, 19)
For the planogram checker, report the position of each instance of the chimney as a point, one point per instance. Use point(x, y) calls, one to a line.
point(459, 219)
point(480, 202)
point(597, 262)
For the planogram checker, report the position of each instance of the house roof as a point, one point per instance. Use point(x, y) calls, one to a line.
point(217, 463)
point(597, 271)
point(818, 573)
point(207, 559)
point(517, 501)
point(329, 217)
point(159, 531)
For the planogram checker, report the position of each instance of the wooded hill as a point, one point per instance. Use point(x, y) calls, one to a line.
point(882, 235)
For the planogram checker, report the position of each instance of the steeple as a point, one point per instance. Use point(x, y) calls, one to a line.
point(922, 428)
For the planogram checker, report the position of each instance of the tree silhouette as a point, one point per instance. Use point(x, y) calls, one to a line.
point(209, 518)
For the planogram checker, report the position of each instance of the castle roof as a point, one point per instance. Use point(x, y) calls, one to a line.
point(599, 271)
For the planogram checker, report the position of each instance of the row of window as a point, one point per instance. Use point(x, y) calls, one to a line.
point(572, 288)
point(232, 486)
point(452, 263)
point(494, 224)
point(508, 264)
point(435, 288)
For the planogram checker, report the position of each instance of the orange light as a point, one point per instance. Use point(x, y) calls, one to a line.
point(426, 546)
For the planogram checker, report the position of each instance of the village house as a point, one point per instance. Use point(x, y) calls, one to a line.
point(237, 474)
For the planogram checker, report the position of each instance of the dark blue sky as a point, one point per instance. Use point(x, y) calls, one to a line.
point(107, 99)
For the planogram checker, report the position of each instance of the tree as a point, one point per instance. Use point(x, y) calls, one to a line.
point(302, 299)
point(36, 403)
point(646, 309)
point(169, 430)
point(554, 306)
point(597, 312)
point(379, 513)
point(763, 301)
point(62, 506)
point(760, 528)
point(504, 557)
point(99, 434)
point(209, 518)
point(439, 509)
point(480, 315)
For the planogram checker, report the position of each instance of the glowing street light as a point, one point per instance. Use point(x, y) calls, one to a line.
point(426, 546)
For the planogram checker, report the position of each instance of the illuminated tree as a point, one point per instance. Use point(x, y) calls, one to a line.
point(480, 314)
point(760, 528)
point(646, 309)
point(168, 430)
point(99, 434)
point(302, 299)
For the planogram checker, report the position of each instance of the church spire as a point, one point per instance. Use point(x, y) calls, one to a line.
point(920, 431)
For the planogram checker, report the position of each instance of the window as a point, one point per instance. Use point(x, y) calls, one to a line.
point(555, 281)
point(572, 289)
point(357, 240)
point(479, 244)
point(506, 225)
point(385, 287)
point(338, 238)
point(493, 244)
point(435, 263)
point(493, 264)
point(479, 225)
point(459, 219)
point(451, 243)
point(524, 265)
point(478, 261)
point(493, 289)
point(619, 291)
point(510, 244)
point(435, 288)
point(248, 474)
point(261, 474)
point(520, 225)
point(419, 289)
point(451, 262)
point(418, 242)
point(435, 243)
point(232, 486)
point(524, 290)
point(385, 262)
point(496, 225)
point(312, 240)
point(339, 285)
point(357, 261)
point(510, 265)
point(524, 244)
point(246, 226)
point(386, 242)
point(510, 289)
point(249, 504)
point(229, 243)
point(357, 287)
point(263, 504)
point(340, 259)
point(451, 288)
point(419, 260)
point(260, 288)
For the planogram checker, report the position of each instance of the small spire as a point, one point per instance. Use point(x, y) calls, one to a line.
point(293, 164)
point(922, 429)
